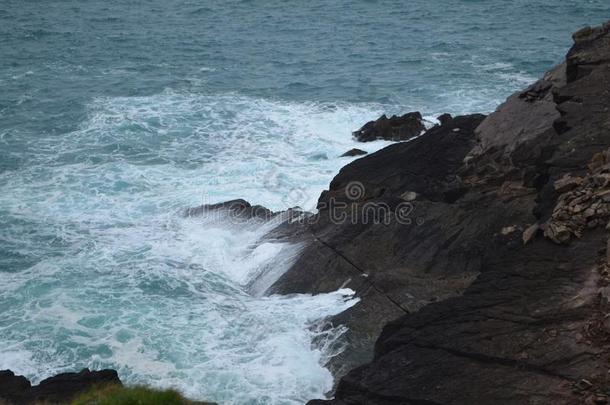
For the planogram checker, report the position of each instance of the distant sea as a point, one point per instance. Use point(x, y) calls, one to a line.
point(117, 115)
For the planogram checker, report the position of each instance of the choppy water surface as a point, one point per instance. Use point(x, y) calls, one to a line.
point(114, 116)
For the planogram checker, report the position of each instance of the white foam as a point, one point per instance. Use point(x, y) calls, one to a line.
point(120, 279)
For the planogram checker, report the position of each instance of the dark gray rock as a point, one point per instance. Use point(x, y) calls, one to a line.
point(59, 389)
point(13, 387)
point(444, 118)
point(388, 260)
point(354, 152)
point(511, 323)
point(392, 129)
point(239, 209)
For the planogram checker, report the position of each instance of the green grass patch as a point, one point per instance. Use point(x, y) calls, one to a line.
point(118, 395)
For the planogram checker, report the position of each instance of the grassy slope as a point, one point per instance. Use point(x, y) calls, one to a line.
point(117, 395)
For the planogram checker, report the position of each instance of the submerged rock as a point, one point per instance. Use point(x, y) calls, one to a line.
point(235, 209)
point(392, 129)
point(354, 152)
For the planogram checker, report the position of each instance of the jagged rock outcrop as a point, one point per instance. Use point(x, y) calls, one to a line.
point(518, 318)
point(394, 128)
point(444, 118)
point(59, 389)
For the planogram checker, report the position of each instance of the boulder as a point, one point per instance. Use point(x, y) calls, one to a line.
point(394, 128)
point(354, 152)
point(239, 210)
point(444, 118)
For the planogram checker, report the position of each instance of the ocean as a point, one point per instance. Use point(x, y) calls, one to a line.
point(115, 116)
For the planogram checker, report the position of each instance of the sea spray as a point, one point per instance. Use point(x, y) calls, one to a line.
point(113, 275)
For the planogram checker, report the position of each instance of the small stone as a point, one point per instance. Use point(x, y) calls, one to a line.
point(567, 183)
point(592, 224)
point(604, 196)
point(584, 384)
point(589, 212)
point(409, 196)
point(601, 180)
point(557, 232)
point(597, 162)
point(530, 233)
point(507, 230)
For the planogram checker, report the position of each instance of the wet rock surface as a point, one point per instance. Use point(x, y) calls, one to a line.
point(378, 230)
point(239, 210)
point(354, 152)
point(394, 128)
point(497, 291)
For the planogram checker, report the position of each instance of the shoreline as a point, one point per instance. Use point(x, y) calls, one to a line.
point(491, 293)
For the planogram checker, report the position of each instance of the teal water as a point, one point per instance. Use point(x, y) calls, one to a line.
point(114, 116)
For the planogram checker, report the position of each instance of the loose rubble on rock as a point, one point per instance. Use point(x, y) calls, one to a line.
point(584, 201)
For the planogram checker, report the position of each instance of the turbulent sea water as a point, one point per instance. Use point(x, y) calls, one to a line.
point(115, 116)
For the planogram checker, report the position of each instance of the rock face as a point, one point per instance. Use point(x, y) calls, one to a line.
point(525, 115)
point(59, 389)
point(480, 252)
point(392, 129)
point(496, 290)
point(369, 236)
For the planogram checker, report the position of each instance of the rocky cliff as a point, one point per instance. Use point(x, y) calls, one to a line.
point(496, 289)
point(479, 251)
